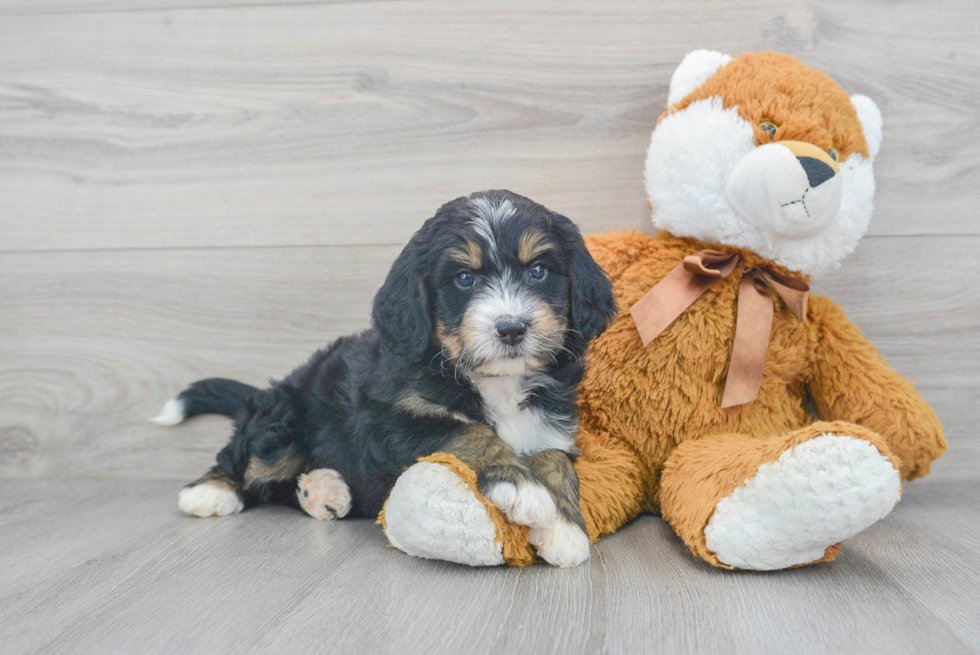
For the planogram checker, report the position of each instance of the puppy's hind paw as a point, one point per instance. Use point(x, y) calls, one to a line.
point(209, 499)
point(323, 494)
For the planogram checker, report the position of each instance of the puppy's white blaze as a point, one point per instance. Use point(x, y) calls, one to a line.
point(563, 545)
point(172, 413)
point(526, 429)
point(487, 215)
point(208, 500)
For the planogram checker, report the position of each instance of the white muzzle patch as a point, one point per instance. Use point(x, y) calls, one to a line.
point(783, 194)
point(502, 299)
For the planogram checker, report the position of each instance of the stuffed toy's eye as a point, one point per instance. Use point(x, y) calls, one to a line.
point(768, 128)
point(537, 272)
point(833, 154)
point(465, 279)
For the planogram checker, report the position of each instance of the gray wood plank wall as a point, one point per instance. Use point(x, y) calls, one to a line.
point(188, 189)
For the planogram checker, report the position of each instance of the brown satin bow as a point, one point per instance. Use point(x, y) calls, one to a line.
point(682, 286)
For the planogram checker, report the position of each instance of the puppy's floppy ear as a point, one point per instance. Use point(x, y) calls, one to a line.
point(401, 313)
point(593, 305)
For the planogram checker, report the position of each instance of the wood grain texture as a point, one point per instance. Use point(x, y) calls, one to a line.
point(92, 344)
point(272, 579)
point(349, 123)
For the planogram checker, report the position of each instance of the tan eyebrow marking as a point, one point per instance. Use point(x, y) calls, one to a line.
point(469, 254)
point(530, 246)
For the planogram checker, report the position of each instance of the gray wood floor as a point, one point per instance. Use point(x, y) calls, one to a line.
point(179, 178)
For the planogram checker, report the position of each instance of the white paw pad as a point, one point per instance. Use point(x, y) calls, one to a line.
point(323, 494)
point(527, 504)
point(563, 545)
point(815, 495)
point(207, 499)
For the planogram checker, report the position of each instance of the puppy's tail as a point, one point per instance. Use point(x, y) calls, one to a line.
point(211, 396)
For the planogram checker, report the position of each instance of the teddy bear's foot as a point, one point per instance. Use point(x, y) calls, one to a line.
point(323, 494)
point(813, 496)
point(433, 513)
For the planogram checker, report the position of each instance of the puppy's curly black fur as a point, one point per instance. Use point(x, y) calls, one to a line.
point(477, 346)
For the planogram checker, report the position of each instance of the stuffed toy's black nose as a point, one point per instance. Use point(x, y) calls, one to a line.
point(817, 172)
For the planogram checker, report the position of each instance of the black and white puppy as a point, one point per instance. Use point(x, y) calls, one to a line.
point(478, 345)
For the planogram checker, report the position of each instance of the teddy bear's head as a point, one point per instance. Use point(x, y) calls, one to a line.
point(764, 153)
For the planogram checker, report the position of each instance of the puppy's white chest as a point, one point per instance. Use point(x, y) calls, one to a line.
point(526, 429)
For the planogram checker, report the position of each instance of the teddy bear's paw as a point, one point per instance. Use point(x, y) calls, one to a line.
point(323, 494)
point(563, 545)
point(527, 503)
point(815, 495)
point(432, 513)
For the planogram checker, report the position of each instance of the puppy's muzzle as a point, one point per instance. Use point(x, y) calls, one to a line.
point(511, 330)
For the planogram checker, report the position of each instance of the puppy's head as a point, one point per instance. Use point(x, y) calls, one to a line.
point(498, 284)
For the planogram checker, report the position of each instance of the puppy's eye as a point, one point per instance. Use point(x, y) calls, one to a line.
point(537, 272)
point(465, 279)
point(769, 128)
point(833, 154)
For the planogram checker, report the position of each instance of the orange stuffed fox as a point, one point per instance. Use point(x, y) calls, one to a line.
point(695, 401)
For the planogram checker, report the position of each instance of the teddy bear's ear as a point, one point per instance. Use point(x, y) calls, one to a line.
point(694, 71)
point(870, 118)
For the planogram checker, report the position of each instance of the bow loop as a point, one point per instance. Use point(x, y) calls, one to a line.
point(669, 298)
point(713, 263)
point(794, 291)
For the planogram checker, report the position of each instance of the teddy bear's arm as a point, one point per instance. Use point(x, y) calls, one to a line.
point(851, 382)
point(611, 483)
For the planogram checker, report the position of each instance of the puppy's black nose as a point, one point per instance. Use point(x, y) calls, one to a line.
point(511, 331)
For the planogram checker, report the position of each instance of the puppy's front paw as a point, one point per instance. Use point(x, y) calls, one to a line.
point(526, 503)
point(323, 494)
point(563, 545)
point(503, 495)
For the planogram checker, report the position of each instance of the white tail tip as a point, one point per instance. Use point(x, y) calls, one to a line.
point(171, 414)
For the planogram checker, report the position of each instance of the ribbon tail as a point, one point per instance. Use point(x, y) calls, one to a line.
point(752, 331)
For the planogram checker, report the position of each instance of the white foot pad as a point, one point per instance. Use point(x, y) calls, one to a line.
point(527, 504)
point(209, 500)
point(323, 494)
point(431, 513)
point(563, 545)
point(815, 495)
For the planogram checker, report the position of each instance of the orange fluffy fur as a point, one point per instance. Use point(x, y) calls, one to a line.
point(654, 437)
